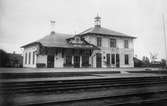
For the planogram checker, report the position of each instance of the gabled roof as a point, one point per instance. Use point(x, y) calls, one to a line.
point(58, 40)
point(104, 31)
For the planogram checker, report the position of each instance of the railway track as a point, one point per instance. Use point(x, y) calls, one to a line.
point(110, 97)
point(74, 85)
point(142, 99)
point(136, 89)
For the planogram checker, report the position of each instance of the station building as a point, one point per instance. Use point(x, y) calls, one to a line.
point(95, 47)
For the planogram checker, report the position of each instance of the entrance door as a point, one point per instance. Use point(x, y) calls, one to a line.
point(98, 60)
point(50, 61)
point(76, 61)
point(85, 61)
point(117, 60)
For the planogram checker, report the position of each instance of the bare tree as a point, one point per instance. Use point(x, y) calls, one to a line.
point(153, 57)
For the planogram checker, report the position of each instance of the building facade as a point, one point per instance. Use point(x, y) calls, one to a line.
point(95, 47)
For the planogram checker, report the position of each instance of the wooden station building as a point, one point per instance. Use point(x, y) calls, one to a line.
point(94, 47)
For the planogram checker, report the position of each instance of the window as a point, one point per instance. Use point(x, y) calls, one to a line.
point(26, 58)
point(108, 59)
point(29, 57)
point(99, 42)
point(113, 43)
point(33, 61)
point(69, 60)
point(126, 59)
point(113, 58)
point(126, 44)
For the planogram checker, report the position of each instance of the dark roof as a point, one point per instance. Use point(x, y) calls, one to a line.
point(54, 40)
point(58, 40)
point(104, 31)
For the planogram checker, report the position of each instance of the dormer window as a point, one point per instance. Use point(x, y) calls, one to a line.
point(77, 39)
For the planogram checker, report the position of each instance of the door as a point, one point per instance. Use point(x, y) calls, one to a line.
point(76, 61)
point(98, 60)
point(50, 61)
point(85, 61)
point(117, 60)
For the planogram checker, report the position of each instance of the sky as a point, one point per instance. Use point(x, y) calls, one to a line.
point(24, 21)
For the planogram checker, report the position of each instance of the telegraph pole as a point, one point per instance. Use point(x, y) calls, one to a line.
point(164, 31)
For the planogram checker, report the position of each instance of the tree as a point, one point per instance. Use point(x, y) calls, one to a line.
point(138, 62)
point(10, 59)
point(146, 61)
point(4, 59)
point(163, 62)
point(153, 57)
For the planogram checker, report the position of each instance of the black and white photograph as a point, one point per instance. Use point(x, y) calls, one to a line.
point(83, 52)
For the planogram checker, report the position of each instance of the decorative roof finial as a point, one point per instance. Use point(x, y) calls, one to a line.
point(52, 23)
point(97, 21)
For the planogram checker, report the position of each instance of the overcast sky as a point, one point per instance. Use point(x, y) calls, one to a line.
point(24, 21)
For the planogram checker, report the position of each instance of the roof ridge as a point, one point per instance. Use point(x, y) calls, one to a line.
point(104, 31)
